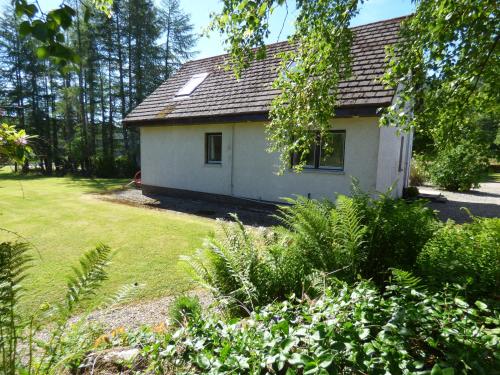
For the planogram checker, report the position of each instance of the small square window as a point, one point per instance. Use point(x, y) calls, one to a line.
point(213, 148)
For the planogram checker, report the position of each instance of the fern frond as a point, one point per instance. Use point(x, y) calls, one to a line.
point(14, 262)
point(405, 279)
point(88, 277)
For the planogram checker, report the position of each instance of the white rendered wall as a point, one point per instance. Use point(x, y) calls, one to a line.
point(174, 156)
point(388, 173)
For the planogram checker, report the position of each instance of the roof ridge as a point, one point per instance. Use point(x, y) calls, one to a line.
point(388, 20)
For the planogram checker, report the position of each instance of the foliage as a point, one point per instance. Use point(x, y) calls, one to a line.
point(329, 237)
point(248, 269)
point(397, 231)
point(14, 261)
point(468, 255)
point(446, 63)
point(354, 236)
point(50, 28)
point(459, 167)
point(13, 145)
point(18, 334)
point(183, 309)
point(419, 173)
point(349, 329)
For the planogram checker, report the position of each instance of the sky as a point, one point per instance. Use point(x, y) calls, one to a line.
point(200, 10)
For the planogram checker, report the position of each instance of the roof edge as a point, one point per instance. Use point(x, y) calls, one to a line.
point(353, 111)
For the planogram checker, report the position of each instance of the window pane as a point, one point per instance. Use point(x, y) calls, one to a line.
point(332, 151)
point(310, 157)
point(214, 148)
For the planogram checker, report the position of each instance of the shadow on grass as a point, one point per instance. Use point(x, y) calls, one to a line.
point(97, 185)
point(90, 184)
point(12, 176)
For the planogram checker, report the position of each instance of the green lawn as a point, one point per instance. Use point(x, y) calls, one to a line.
point(62, 220)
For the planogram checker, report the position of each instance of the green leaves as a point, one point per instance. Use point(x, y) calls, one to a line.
point(14, 144)
point(349, 329)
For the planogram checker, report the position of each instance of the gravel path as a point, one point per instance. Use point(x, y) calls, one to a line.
point(483, 201)
point(150, 313)
point(216, 210)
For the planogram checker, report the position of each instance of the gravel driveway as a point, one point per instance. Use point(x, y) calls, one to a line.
point(483, 201)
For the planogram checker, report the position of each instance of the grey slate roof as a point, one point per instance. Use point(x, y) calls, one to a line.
point(220, 94)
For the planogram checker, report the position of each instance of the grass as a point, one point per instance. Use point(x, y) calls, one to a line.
point(492, 177)
point(60, 217)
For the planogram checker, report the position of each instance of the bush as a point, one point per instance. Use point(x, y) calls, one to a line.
point(397, 231)
point(351, 329)
point(120, 167)
point(418, 170)
point(183, 309)
point(246, 268)
point(467, 254)
point(249, 269)
point(460, 167)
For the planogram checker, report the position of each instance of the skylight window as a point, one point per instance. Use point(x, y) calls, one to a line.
point(191, 85)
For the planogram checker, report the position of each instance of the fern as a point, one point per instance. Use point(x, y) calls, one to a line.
point(349, 233)
point(405, 279)
point(81, 286)
point(227, 266)
point(88, 277)
point(14, 262)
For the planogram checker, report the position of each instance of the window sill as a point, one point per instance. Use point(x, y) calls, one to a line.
point(321, 171)
point(213, 165)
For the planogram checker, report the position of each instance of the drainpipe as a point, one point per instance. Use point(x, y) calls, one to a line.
point(232, 159)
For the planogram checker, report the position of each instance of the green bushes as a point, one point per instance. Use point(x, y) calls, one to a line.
point(121, 166)
point(459, 167)
point(355, 236)
point(349, 329)
point(468, 255)
point(397, 231)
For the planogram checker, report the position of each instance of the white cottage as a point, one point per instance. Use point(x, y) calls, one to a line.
point(203, 132)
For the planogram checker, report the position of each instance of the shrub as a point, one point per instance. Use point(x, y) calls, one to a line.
point(418, 170)
point(459, 167)
point(183, 309)
point(397, 231)
point(248, 269)
point(351, 329)
point(467, 254)
point(245, 268)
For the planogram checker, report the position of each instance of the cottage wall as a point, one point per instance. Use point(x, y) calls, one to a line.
point(174, 157)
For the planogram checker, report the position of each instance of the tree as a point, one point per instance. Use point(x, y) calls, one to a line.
point(446, 64)
point(179, 37)
point(76, 113)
